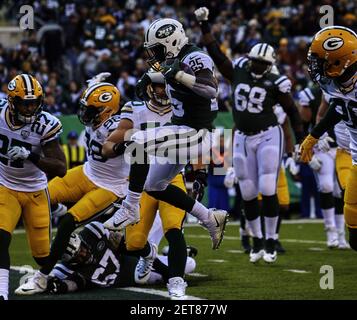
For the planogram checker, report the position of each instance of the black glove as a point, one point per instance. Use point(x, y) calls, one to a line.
point(169, 70)
point(140, 89)
point(56, 286)
point(198, 188)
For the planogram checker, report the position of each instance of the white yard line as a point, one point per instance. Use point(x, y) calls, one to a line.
point(292, 221)
point(156, 292)
point(197, 275)
point(217, 260)
point(297, 271)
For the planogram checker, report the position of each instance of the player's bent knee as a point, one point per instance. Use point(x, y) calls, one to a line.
point(271, 161)
point(267, 184)
point(325, 185)
point(135, 241)
point(353, 238)
point(248, 189)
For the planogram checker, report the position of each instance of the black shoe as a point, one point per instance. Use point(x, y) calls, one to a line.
point(246, 244)
point(258, 244)
point(191, 251)
point(279, 248)
point(2, 298)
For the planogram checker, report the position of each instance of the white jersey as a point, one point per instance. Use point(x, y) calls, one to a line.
point(144, 115)
point(346, 105)
point(111, 174)
point(23, 175)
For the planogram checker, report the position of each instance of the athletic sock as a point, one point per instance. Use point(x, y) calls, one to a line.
point(59, 245)
point(256, 227)
point(4, 283)
point(340, 222)
point(176, 197)
point(133, 198)
point(329, 217)
point(200, 211)
point(177, 253)
point(270, 227)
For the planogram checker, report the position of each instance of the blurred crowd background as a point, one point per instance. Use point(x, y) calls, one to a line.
point(73, 40)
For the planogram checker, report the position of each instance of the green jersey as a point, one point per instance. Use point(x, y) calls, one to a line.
point(254, 99)
point(311, 98)
point(189, 108)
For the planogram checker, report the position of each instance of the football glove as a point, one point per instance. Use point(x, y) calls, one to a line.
point(198, 187)
point(169, 70)
point(141, 86)
point(98, 78)
point(56, 286)
point(306, 148)
point(324, 143)
point(230, 179)
point(16, 153)
point(291, 165)
point(201, 14)
point(315, 163)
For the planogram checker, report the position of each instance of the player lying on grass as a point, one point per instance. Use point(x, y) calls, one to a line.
point(95, 257)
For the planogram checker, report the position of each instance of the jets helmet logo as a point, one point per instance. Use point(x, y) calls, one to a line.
point(333, 43)
point(105, 97)
point(12, 85)
point(165, 31)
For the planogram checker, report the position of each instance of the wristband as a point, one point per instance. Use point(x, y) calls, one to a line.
point(34, 157)
point(119, 148)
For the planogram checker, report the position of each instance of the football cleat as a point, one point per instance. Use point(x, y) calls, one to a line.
point(257, 251)
point(144, 267)
point(3, 297)
point(246, 244)
point(215, 225)
point(124, 216)
point(279, 247)
point(177, 288)
point(35, 284)
point(270, 254)
point(342, 243)
point(332, 238)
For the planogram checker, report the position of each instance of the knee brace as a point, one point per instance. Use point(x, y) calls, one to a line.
point(326, 200)
point(339, 205)
point(5, 239)
point(270, 206)
point(353, 238)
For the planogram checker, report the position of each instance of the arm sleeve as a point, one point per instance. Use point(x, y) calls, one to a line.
point(224, 65)
point(331, 118)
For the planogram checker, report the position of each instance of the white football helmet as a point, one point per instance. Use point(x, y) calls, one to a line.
point(263, 53)
point(164, 39)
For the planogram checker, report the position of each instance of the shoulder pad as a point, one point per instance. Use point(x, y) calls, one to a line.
point(3, 103)
point(240, 62)
point(283, 83)
point(51, 126)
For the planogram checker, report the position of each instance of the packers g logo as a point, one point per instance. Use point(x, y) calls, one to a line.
point(165, 31)
point(105, 97)
point(333, 43)
point(12, 85)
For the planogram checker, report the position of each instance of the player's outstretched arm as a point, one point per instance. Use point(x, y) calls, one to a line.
point(222, 62)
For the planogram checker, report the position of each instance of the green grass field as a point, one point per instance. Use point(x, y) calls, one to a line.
point(227, 273)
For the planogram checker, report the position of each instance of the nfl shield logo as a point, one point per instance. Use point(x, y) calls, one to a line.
point(25, 134)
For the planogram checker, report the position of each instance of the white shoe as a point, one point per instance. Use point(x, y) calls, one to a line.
point(177, 288)
point(33, 285)
point(216, 225)
point(257, 251)
point(144, 267)
point(3, 297)
point(270, 254)
point(332, 238)
point(124, 216)
point(342, 243)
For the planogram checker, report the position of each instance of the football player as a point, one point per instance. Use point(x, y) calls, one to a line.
point(322, 163)
point(192, 90)
point(258, 140)
point(94, 258)
point(30, 150)
point(332, 62)
point(141, 115)
point(94, 186)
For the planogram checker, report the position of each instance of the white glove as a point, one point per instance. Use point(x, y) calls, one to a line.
point(16, 152)
point(291, 165)
point(323, 143)
point(202, 14)
point(230, 179)
point(315, 163)
point(98, 78)
point(296, 153)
